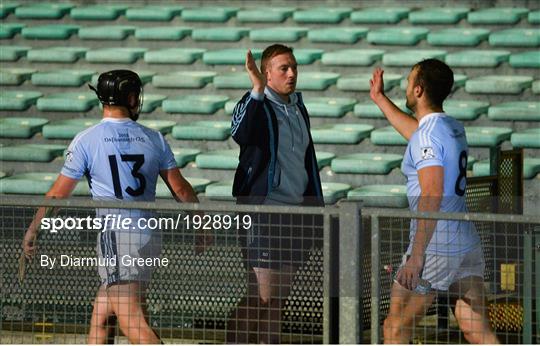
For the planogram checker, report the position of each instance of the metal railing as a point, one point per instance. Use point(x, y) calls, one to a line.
point(339, 295)
point(507, 240)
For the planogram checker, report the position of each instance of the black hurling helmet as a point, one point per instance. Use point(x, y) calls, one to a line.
point(114, 88)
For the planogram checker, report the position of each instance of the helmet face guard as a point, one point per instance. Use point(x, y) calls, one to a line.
point(115, 87)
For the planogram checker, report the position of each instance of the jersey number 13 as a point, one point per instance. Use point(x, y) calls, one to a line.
point(138, 162)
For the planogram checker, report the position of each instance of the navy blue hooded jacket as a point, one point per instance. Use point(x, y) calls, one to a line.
point(255, 128)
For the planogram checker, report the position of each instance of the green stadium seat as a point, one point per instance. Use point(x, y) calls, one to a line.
point(68, 102)
point(144, 75)
point(15, 76)
point(536, 87)
point(352, 57)
point(151, 102)
point(197, 104)
point(62, 78)
point(403, 36)
point(366, 163)
point(233, 80)
point(174, 56)
point(3, 175)
point(380, 196)
point(525, 59)
point(477, 58)
point(106, 32)
point(316, 80)
point(184, 79)
point(224, 34)
point(333, 107)
point(265, 14)
point(529, 138)
point(43, 10)
point(459, 81)
point(340, 133)
point(13, 53)
point(514, 38)
point(98, 12)
point(203, 130)
point(162, 33)
point(163, 126)
point(458, 37)
point(28, 183)
point(57, 54)
point(497, 84)
point(50, 32)
point(219, 159)
point(21, 127)
point(306, 56)
point(7, 8)
point(409, 57)
point(326, 15)
point(465, 109)
point(67, 129)
point(387, 136)
point(481, 136)
point(501, 15)
point(121, 55)
point(8, 30)
point(278, 34)
point(324, 158)
point(534, 17)
point(154, 13)
point(333, 192)
point(230, 56)
point(515, 111)
point(18, 100)
point(438, 15)
point(220, 191)
point(198, 184)
point(360, 82)
point(183, 156)
point(531, 167)
point(229, 107)
point(380, 15)
point(31, 152)
point(209, 14)
point(470, 162)
point(347, 35)
point(370, 110)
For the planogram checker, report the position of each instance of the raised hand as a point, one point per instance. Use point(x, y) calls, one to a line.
point(257, 78)
point(376, 84)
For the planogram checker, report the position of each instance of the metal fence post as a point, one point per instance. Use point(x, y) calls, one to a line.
point(330, 280)
point(527, 286)
point(536, 240)
point(350, 254)
point(375, 280)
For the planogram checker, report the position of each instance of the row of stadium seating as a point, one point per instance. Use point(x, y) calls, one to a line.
point(236, 56)
point(408, 36)
point(328, 15)
point(207, 130)
point(208, 104)
point(191, 92)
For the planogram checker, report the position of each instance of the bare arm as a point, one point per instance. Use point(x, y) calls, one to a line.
point(62, 188)
point(400, 120)
point(180, 188)
point(431, 181)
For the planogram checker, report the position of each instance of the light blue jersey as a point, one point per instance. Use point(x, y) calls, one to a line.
point(120, 158)
point(440, 141)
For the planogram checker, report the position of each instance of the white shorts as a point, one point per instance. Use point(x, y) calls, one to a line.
point(118, 252)
point(442, 271)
